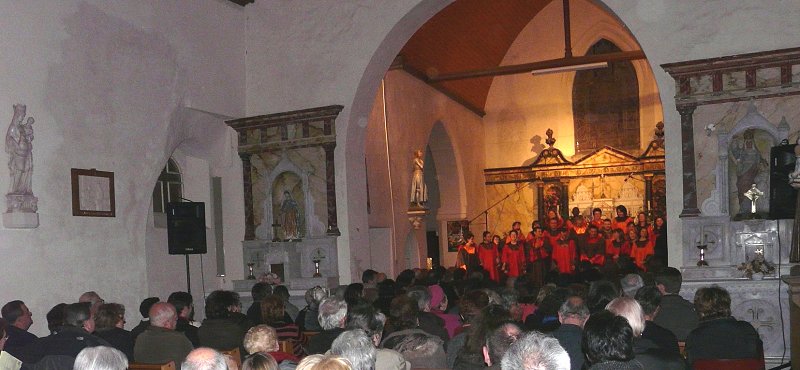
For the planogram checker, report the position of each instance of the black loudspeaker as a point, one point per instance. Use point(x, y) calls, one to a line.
point(186, 228)
point(782, 197)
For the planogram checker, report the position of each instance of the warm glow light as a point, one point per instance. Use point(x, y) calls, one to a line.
point(579, 67)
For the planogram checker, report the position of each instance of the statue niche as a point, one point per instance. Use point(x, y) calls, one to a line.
point(288, 207)
point(749, 164)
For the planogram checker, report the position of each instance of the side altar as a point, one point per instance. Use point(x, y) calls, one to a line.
point(290, 198)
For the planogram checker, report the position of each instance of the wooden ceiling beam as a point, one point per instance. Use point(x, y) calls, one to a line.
point(530, 67)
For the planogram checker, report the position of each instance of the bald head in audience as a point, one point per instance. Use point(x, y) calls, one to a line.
point(204, 359)
point(163, 315)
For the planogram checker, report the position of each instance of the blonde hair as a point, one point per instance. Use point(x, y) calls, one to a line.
point(628, 308)
point(322, 362)
point(261, 338)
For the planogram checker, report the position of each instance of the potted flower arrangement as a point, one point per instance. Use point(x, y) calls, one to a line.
point(758, 266)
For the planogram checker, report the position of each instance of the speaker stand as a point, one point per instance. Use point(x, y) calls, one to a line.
point(188, 276)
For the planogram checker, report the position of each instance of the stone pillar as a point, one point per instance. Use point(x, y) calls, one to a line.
point(330, 179)
point(540, 201)
point(564, 200)
point(687, 152)
point(794, 314)
point(648, 193)
point(247, 180)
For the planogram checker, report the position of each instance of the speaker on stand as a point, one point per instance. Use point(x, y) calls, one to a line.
point(782, 197)
point(186, 231)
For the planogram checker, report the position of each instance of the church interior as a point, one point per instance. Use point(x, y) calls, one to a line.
point(325, 138)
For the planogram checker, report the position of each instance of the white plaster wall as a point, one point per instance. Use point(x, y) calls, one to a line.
point(103, 80)
point(304, 55)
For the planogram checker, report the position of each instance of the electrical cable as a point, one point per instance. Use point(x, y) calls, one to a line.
point(780, 301)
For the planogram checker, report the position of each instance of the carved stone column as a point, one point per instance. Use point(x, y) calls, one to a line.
point(330, 179)
point(687, 152)
point(247, 180)
point(794, 314)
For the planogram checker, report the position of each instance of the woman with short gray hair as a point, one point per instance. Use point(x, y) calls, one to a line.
point(100, 358)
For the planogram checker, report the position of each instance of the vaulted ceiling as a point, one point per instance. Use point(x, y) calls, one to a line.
point(468, 35)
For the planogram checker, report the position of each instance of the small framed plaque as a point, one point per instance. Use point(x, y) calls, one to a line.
point(93, 193)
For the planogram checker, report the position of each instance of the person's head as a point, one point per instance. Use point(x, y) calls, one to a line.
point(660, 221)
point(516, 225)
point(641, 218)
point(469, 236)
point(601, 292)
point(575, 212)
point(628, 308)
point(79, 315)
point(144, 307)
point(597, 214)
point(109, 316)
point(607, 337)
point(163, 315)
point(551, 214)
point(438, 300)
point(315, 295)
point(261, 338)
point(369, 277)
point(17, 314)
point(669, 280)
point(617, 234)
point(91, 297)
point(593, 231)
point(183, 303)
point(496, 239)
point(260, 361)
point(644, 234)
point(537, 232)
point(55, 317)
point(499, 340)
point(622, 212)
point(357, 347)
point(649, 297)
point(632, 234)
point(281, 291)
point(472, 303)
point(272, 309)
point(260, 290)
point(323, 362)
point(712, 303)
point(422, 295)
point(512, 235)
point(535, 351)
point(221, 303)
point(552, 223)
point(367, 318)
point(354, 293)
point(630, 283)
point(204, 358)
point(404, 313)
point(606, 224)
point(487, 237)
point(100, 358)
point(573, 311)
point(332, 313)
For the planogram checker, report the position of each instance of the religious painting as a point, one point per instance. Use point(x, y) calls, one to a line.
point(92, 193)
point(748, 164)
point(455, 234)
point(288, 207)
point(552, 198)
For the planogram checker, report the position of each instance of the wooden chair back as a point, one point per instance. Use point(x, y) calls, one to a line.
point(235, 355)
point(305, 336)
point(740, 364)
point(682, 349)
point(139, 366)
point(286, 346)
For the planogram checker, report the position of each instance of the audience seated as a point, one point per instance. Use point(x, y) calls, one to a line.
point(601, 292)
point(100, 358)
point(469, 354)
point(429, 322)
point(608, 343)
point(109, 323)
point(274, 315)
point(535, 351)
point(354, 294)
point(631, 283)
point(55, 317)
point(204, 359)
point(260, 361)
point(647, 353)
point(323, 362)
point(184, 305)
point(545, 318)
point(719, 335)
point(332, 316)
point(257, 292)
point(469, 306)
point(19, 319)
point(264, 339)
point(403, 335)
point(372, 321)
point(71, 338)
point(307, 317)
point(498, 341)
point(676, 314)
point(291, 310)
point(438, 304)
point(160, 343)
point(357, 348)
point(572, 314)
point(225, 324)
point(93, 298)
point(144, 310)
point(649, 298)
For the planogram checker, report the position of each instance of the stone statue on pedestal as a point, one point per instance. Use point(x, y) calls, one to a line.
point(419, 192)
point(21, 204)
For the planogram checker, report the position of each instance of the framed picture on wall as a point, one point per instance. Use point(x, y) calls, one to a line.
point(93, 193)
point(455, 234)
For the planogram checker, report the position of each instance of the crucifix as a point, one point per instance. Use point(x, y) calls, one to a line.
point(753, 194)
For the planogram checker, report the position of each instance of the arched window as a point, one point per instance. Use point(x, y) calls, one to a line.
point(605, 104)
point(168, 187)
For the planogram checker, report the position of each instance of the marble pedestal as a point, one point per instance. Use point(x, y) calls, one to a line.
point(20, 220)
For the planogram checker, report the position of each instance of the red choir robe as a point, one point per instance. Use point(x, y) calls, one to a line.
point(514, 259)
point(614, 249)
point(487, 254)
point(538, 250)
point(640, 250)
point(594, 251)
point(622, 225)
point(564, 255)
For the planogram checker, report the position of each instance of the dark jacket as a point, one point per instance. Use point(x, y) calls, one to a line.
point(433, 324)
point(69, 341)
point(120, 339)
point(159, 345)
point(17, 340)
point(677, 315)
point(724, 338)
point(653, 357)
point(321, 342)
point(422, 350)
point(139, 329)
point(224, 334)
point(619, 365)
point(189, 330)
point(569, 336)
point(662, 337)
